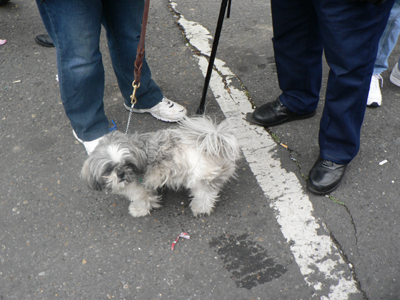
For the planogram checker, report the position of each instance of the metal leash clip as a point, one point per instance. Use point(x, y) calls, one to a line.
point(133, 102)
point(133, 96)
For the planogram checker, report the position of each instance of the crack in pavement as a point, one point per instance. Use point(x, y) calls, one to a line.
point(334, 240)
point(346, 259)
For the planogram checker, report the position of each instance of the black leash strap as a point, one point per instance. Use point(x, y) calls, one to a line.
point(224, 5)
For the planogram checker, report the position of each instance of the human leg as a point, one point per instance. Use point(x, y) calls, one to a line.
point(298, 54)
point(386, 44)
point(74, 27)
point(388, 39)
point(298, 58)
point(394, 20)
point(350, 51)
point(122, 21)
point(351, 34)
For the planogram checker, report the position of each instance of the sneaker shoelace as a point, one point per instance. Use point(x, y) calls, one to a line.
point(375, 83)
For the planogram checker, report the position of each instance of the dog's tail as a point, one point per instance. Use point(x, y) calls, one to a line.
point(208, 136)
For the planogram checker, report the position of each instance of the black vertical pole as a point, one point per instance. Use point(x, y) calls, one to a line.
point(201, 109)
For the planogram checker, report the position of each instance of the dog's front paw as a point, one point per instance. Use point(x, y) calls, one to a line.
point(200, 209)
point(137, 211)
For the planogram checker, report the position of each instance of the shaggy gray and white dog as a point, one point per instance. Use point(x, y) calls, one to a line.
point(198, 155)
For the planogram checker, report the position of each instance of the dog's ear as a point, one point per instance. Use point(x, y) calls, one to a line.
point(138, 160)
point(90, 178)
point(97, 186)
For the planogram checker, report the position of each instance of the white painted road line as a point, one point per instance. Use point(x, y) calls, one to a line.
point(315, 254)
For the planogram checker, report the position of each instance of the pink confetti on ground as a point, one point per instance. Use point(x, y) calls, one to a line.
point(182, 235)
point(2, 42)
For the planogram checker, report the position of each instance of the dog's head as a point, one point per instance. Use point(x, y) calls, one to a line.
point(114, 163)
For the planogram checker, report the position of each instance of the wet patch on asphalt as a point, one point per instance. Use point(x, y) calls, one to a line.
point(247, 261)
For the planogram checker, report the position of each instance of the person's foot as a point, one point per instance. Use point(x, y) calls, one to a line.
point(166, 110)
point(325, 176)
point(375, 95)
point(44, 40)
point(395, 75)
point(89, 146)
point(275, 113)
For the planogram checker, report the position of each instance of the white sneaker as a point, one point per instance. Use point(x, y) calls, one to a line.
point(374, 95)
point(166, 110)
point(395, 75)
point(89, 146)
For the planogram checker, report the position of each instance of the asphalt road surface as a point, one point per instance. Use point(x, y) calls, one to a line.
point(267, 239)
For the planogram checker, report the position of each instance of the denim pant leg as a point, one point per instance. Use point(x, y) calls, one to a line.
point(122, 20)
point(388, 40)
point(74, 27)
point(351, 34)
point(298, 54)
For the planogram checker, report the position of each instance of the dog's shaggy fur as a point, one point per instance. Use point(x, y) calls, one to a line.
point(198, 155)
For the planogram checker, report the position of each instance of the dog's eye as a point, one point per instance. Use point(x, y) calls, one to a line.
point(109, 169)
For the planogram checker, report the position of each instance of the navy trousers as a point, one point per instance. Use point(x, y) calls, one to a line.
point(348, 33)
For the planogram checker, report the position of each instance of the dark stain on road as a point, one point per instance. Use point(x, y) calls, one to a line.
point(247, 261)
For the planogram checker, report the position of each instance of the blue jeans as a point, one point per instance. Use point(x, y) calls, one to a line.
point(74, 27)
point(388, 39)
point(348, 34)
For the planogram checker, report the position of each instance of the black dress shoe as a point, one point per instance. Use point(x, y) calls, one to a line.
point(325, 176)
point(44, 40)
point(275, 113)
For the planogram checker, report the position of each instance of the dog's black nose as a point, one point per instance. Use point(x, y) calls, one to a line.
point(121, 175)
